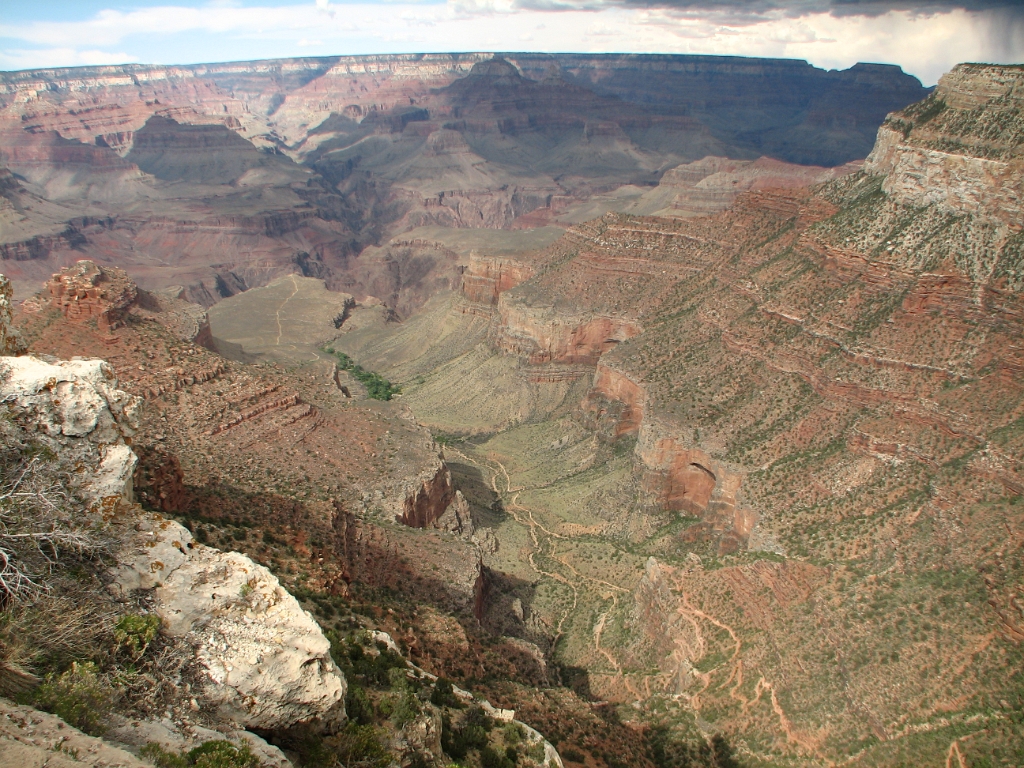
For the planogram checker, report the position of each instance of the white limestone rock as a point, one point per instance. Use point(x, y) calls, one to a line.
point(181, 737)
point(157, 548)
point(77, 405)
point(73, 398)
point(267, 663)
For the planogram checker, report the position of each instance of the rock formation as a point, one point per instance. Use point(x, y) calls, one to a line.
point(86, 291)
point(9, 342)
point(77, 405)
point(228, 176)
point(948, 152)
point(265, 661)
point(486, 277)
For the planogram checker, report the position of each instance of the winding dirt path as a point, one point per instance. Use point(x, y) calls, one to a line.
point(277, 315)
point(542, 540)
point(954, 750)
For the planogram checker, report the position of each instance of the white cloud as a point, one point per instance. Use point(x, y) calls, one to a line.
point(925, 45)
point(38, 58)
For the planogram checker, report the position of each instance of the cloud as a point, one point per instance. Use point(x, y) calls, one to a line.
point(752, 10)
point(925, 44)
point(36, 58)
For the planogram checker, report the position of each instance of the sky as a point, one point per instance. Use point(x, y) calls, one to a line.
point(925, 37)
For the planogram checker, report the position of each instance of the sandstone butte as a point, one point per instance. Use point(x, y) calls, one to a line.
point(805, 406)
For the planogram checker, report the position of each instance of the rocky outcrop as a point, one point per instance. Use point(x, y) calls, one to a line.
point(959, 150)
point(264, 661)
point(616, 397)
point(10, 344)
point(486, 277)
point(546, 334)
point(713, 184)
point(87, 291)
point(457, 518)
point(682, 478)
point(429, 498)
point(78, 406)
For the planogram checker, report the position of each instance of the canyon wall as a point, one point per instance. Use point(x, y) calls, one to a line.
point(951, 151)
point(486, 277)
point(545, 334)
point(834, 113)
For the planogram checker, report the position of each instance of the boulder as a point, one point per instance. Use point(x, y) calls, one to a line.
point(264, 661)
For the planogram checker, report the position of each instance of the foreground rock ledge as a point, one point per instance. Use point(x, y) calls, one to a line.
point(266, 662)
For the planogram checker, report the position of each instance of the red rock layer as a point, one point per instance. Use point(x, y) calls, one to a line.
point(545, 335)
point(86, 291)
point(488, 276)
point(429, 499)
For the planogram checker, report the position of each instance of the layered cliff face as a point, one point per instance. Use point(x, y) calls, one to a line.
point(225, 177)
point(545, 334)
point(802, 113)
point(711, 185)
point(485, 278)
point(959, 150)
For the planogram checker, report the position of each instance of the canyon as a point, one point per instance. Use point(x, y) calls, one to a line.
point(745, 445)
point(219, 178)
point(696, 435)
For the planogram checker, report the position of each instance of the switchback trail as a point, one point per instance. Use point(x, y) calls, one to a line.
point(542, 541)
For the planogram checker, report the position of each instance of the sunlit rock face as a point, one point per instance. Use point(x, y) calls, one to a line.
point(959, 150)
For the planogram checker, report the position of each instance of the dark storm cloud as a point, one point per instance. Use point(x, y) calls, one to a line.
point(753, 10)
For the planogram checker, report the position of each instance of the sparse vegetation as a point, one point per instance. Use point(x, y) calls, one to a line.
point(377, 387)
point(209, 754)
point(78, 696)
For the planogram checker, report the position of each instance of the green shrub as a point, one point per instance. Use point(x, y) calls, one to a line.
point(222, 754)
point(536, 752)
point(513, 733)
point(209, 754)
point(78, 697)
point(358, 705)
point(134, 633)
point(359, 745)
point(489, 758)
point(573, 755)
point(456, 742)
point(443, 695)
point(377, 387)
point(405, 710)
point(162, 758)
